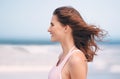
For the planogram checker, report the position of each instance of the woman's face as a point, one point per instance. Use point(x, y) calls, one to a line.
point(56, 29)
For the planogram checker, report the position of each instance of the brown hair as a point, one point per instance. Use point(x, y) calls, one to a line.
point(84, 35)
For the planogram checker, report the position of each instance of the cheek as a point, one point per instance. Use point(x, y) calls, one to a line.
point(60, 34)
point(57, 30)
point(52, 29)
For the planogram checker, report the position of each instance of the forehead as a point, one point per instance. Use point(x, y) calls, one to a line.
point(54, 18)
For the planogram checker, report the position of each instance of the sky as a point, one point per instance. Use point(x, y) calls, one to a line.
point(30, 19)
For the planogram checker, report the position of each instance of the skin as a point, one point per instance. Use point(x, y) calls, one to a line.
point(76, 66)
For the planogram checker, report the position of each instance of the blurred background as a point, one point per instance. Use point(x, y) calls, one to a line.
point(25, 48)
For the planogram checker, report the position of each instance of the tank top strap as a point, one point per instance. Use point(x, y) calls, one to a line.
point(66, 58)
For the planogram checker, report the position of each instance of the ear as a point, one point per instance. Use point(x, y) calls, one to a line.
point(67, 28)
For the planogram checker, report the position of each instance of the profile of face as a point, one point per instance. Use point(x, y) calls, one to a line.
point(56, 29)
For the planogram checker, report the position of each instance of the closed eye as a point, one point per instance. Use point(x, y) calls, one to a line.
point(51, 24)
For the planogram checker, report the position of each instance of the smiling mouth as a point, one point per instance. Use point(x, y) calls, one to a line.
point(51, 34)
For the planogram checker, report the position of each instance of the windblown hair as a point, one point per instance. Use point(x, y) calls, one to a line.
point(84, 35)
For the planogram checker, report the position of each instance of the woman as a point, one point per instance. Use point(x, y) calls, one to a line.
point(77, 39)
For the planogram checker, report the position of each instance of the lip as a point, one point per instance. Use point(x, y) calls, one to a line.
point(51, 34)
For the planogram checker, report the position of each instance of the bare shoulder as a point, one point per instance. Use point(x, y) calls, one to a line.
point(77, 58)
point(77, 65)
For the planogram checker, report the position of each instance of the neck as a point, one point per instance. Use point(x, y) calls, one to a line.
point(67, 45)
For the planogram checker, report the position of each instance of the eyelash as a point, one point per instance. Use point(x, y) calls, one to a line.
point(52, 25)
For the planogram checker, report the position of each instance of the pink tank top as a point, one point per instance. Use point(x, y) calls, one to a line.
point(55, 72)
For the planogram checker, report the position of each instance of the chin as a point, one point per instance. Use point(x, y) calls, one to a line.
point(54, 40)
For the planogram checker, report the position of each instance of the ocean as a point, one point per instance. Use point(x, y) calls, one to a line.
point(32, 61)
